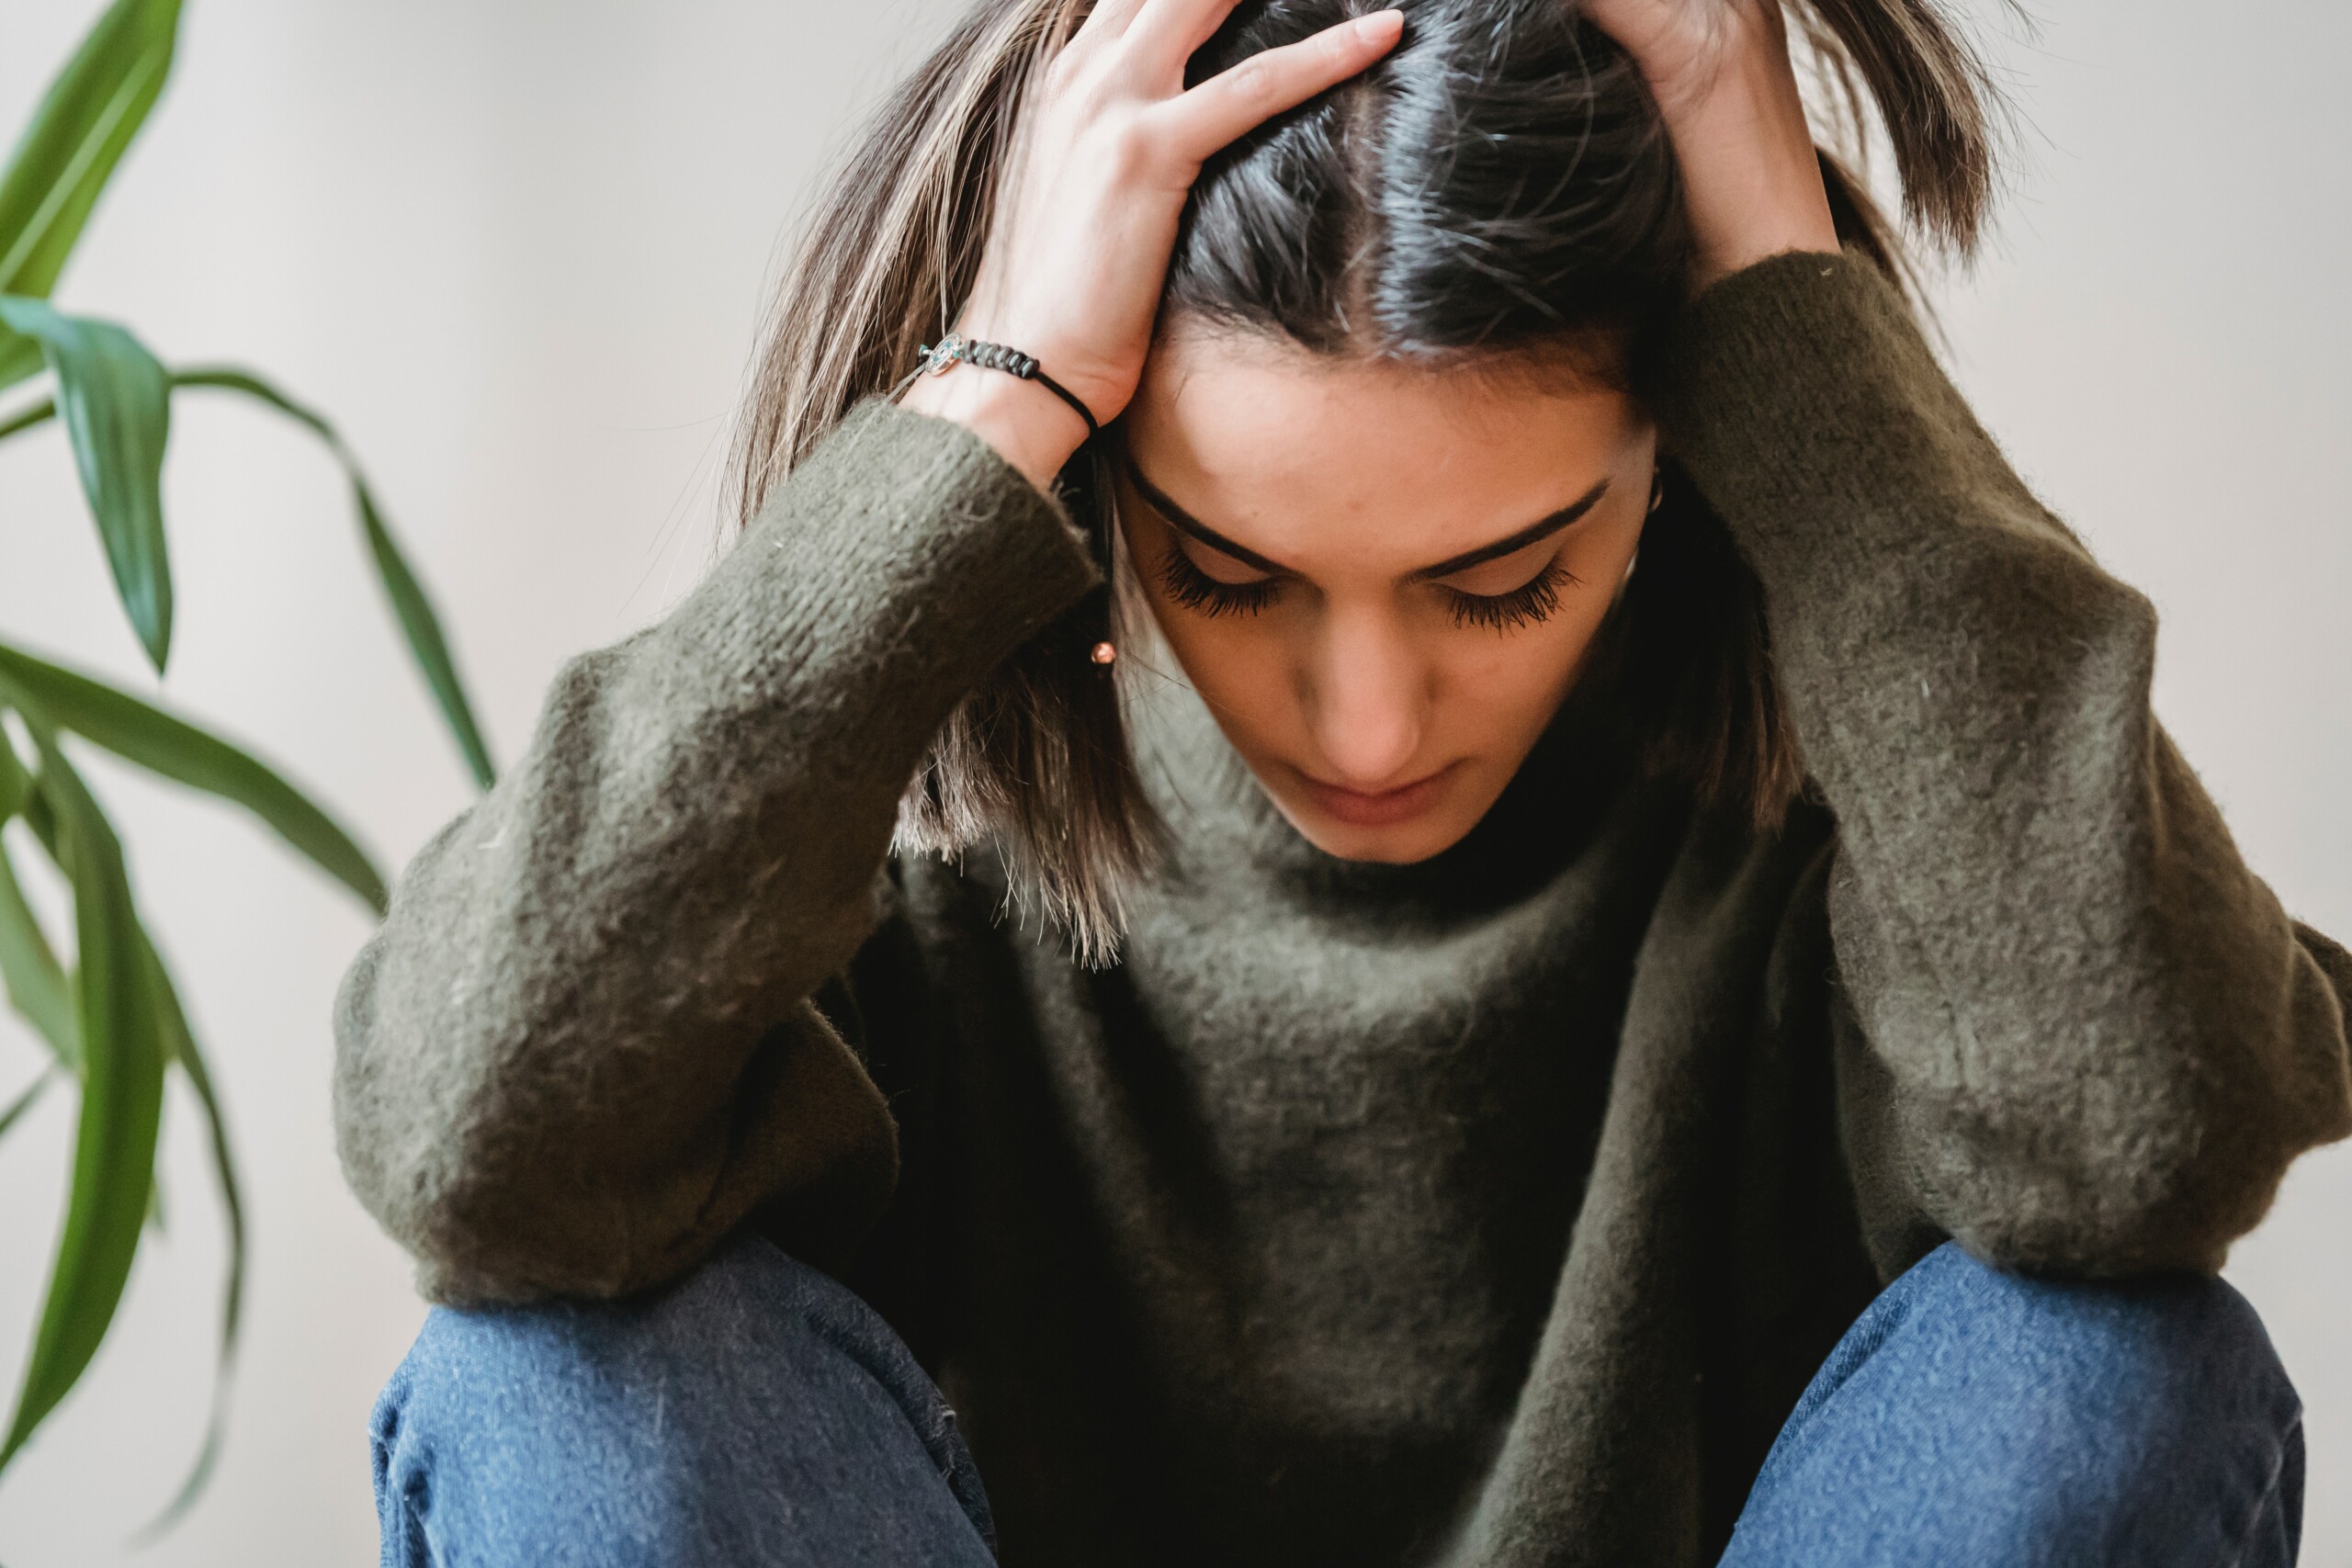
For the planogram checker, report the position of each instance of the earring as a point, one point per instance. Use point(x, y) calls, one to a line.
point(1657, 488)
point(1104, 653)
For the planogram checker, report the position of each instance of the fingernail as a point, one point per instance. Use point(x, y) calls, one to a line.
point(1381, 24)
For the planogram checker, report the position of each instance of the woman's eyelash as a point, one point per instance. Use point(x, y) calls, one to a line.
point(1537, 599)
point(1196, 590)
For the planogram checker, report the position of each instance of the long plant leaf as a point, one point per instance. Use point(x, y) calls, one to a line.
point(177, 749)
point(16, 784)
point(180, 1041)
point(91, 112)
point(178, 1044)
point(413, 610)
point(32, 415)
point(19, 357)
point(418, 623)
point(42, 821)
point(116, 403)
point(122, 1095)
point(36, 985)
point(27, 1101)
point(30, 973)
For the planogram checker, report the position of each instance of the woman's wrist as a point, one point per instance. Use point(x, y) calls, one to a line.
point(1029, 426)
point(1751, 177)
point(1727, 90)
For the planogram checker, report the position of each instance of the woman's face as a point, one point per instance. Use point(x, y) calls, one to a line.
point(1382, 580)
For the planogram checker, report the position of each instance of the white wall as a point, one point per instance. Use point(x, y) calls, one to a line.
point(517, 249)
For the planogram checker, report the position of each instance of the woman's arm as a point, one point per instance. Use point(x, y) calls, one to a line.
point(2090, 1040)
point(2080, 1034)
point(580, 1050)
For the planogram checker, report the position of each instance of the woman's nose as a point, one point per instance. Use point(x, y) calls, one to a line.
point(1365, 696)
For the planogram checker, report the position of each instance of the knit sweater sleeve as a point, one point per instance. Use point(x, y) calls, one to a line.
point(2091, 1040)
point(582, 1047)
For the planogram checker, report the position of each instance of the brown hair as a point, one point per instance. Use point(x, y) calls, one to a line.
point(1499, 185)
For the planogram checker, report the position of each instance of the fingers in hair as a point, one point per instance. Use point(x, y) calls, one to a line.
point(1244, 96)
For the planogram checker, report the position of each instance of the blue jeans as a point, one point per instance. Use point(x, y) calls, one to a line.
point(758, 1413)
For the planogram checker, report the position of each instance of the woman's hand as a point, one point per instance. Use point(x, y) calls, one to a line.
point(1074, 265)
point(1720, 72)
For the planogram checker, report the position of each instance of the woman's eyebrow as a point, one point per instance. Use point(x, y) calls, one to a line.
point(1542, 528)
point(1185, 523)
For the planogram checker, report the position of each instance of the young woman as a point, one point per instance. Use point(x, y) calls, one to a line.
point(1605, 962)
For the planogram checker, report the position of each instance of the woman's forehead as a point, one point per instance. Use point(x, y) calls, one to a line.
point(1310, 459)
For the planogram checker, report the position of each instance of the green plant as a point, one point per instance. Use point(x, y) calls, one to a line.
point(111, 1018)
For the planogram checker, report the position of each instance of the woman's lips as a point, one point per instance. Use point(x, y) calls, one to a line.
point(1383, 808)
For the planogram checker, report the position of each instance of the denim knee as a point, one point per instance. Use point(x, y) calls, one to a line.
point(2044, 1421)
point(753, 1412)
point(2167, 1345)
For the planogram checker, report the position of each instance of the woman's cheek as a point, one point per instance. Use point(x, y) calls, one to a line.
point(1517, 672)
point(1241, 667)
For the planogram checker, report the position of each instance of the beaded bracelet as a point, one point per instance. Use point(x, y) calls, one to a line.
point(940, 357)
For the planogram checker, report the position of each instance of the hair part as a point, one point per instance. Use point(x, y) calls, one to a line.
point(1499, 189)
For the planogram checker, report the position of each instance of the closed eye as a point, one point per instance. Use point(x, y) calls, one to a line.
point(1188, 585)
point(1535, 600)
point(1216, 586)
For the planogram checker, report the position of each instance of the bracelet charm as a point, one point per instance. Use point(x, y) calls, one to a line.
point(939, 358)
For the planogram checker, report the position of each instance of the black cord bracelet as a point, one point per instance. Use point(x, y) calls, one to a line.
point(940, 357)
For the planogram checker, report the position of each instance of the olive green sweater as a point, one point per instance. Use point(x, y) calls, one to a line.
point(1490, 1211)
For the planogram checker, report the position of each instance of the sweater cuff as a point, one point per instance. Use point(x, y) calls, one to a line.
point(935, 507)
point(914, 559)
